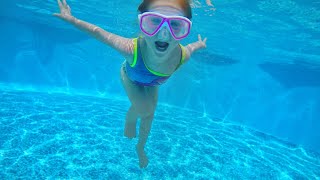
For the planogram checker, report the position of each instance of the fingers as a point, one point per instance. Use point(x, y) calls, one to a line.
point(60, 4)
point(205, 40)
point(200, 39)
point(63, 4)
point(64, 7)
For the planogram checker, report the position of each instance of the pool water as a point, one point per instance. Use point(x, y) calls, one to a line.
point(60, 136)
point(246, 107)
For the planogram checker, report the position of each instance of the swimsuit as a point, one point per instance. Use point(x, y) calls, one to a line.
point(139, 73)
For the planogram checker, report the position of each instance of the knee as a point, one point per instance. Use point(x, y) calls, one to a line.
point(145, 110)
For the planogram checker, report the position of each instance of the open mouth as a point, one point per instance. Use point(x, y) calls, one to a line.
point(161, 46)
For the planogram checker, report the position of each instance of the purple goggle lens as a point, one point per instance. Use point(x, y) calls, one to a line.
point(151, 23)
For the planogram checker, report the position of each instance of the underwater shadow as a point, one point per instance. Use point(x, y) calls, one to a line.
point(44, 39)
point(297, 74)
point(213, 59)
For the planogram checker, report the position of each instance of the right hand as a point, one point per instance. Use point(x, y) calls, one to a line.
point(65, 10)
point(202, 43)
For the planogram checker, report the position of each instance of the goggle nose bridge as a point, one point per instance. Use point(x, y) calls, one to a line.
point(165, 24)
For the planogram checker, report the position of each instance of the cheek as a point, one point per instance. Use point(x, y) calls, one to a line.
point(174, 42)
point(150, 41)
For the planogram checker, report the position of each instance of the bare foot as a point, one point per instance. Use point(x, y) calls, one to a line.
point(143, 159)
point(130, 130)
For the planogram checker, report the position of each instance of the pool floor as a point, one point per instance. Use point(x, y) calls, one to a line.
point(58, 136)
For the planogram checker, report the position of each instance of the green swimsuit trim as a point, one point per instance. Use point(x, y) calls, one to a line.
point(135, 41)
point(135, 54)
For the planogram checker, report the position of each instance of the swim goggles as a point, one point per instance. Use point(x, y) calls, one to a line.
point(152, 22)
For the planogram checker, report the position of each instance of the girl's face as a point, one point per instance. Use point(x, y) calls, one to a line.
point(163, 42)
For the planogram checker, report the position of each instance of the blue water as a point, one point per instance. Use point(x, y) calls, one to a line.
point(81, 137)
point(247, 107)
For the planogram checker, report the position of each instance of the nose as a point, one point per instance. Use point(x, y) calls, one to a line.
point(164, 34)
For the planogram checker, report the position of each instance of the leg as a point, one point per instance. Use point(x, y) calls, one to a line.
point(131, 122)
point(144, 101)
point(145, 126)
point(143, 98)
point(134, 92)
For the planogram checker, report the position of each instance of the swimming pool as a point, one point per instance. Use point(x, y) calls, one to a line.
point(81, 137)
point(246, 107)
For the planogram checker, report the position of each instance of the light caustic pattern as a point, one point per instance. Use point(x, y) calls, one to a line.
point(62, 136)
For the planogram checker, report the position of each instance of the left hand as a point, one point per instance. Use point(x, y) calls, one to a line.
point(65, 10)
point(202, 43)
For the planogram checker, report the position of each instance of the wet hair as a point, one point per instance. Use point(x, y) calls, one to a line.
point(184, 4)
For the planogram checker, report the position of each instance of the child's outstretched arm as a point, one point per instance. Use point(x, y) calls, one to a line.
point(191, 48)
point(123, 45)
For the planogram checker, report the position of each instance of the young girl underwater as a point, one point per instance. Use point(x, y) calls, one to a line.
point(149, 59)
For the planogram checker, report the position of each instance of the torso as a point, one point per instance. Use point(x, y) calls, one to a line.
point(147, 69)
point(165, 66)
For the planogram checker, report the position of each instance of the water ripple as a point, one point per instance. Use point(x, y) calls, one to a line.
point(79, 137)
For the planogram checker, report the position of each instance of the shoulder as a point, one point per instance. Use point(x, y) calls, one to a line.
point(132, 50)
point(184, 53)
